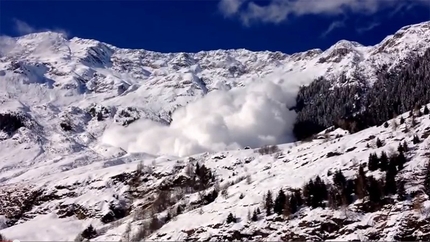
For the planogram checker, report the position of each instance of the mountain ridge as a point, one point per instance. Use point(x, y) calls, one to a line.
point(58, 97)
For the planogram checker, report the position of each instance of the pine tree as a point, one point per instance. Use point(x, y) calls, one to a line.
point(339, 179)
point(320, 193)
point(379, 143)
point(390, 181)
point(254, 216)
point(231, 218)
point(279, 202)
point(308, 193)
point(374, 190)
point(333, 198)
point(400, 148)
point(293, 203)
point(360, 183)
point(402, 120)
point(178, 209)
point(401, 192)
point(297, 194)
point(405, 146)
point(426, 110)
point(386, 125)
point(383, 161)
point(400, 161)
point(427, 179)
point(373, 162)
point(89, 232)
point(268, 205)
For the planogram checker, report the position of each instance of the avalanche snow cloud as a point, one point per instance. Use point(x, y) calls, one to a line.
point(254, 116)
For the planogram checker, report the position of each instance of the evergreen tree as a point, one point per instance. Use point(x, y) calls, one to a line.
point(280, 201)
point(231, 218)
point(268, 203)
point(258, 211)
point(426, 110)
point(360, 183)
point(89, 232)
point(400, 148)
point(402, 120)
point(308, 189)
point(254, 216)
point(178, 210)
point(401, 192)
point(297, 194)
point(374, 189)
point(293, 203)
point(383, 161)
point(390, 181)
point(386, 125)
point(405, 146)
point(373, 162)
point(379, 143)
point(333, 196)
point(400, 161)
point(319, 193)
point(339, 179)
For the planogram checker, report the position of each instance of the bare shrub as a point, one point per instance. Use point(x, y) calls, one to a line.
point(268, 149)
point(189, 170)
point(394, 124)
point(162, 201)
point(248, 179)
point(224, 193)
point(141, 233)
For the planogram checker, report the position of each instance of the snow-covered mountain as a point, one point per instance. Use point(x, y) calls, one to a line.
point(59, 96)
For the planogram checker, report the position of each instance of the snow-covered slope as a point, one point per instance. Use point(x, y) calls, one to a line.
point(119, 204)
point(58, 96)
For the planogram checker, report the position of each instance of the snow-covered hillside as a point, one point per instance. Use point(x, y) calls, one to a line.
point(121, 199)
point(77, 116)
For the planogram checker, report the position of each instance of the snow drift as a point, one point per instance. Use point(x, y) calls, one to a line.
point(254, 116)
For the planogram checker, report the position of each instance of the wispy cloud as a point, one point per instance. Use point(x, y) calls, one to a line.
point(277, 11)
point(368, 27)
point(333, 26)
point(23, 28)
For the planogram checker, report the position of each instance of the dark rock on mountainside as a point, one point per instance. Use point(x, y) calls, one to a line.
point(11, 122)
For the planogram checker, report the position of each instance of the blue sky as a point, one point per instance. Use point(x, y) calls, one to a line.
point(192, 25)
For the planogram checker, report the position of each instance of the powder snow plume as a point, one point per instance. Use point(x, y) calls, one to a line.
point(254, 115)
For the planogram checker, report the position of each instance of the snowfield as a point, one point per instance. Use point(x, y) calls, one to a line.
point(115, 138)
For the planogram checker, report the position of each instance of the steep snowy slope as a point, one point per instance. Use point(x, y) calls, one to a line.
point(161, 199)
point(68, 92)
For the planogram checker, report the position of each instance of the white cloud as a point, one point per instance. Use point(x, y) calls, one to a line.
point(254, 116)
point(23, 28)
point(368, 27)
point(332, 27)
point(230, 7)
point(277, 11)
